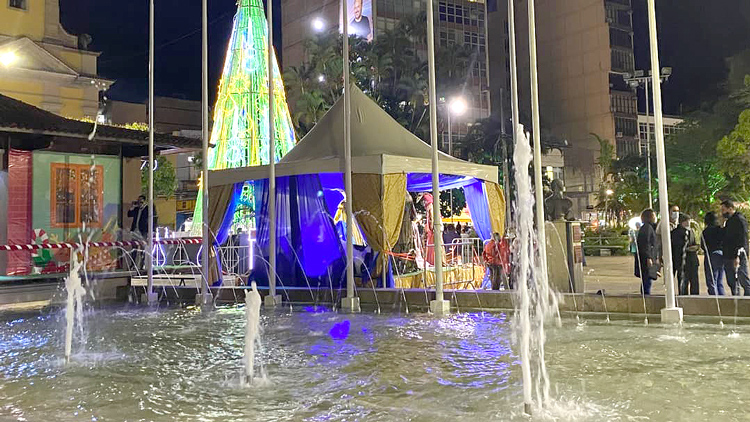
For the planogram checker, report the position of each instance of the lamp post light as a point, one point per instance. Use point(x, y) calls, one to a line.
point(456, 107)
point(638, 79)
point(318, 24)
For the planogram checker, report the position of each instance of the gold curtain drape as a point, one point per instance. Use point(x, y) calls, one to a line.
point(379, 205)
point(218, 201)
point(496, 203)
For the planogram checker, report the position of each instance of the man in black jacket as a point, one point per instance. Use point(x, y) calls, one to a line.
point(139, 213)
point(646, 252)
point(734, 249)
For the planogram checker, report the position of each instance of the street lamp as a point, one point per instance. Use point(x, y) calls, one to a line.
point(7, 58)
point(321, 78)
point(318, 24)
point(638, 79)
point(457, 106)
point(609, 193)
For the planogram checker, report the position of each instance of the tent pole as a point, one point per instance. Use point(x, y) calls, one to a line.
point(350, 302)
point(439, 306)
point(204, 299)
point(272, 299)
point(538, 187)
point(151, 298)
point(671, 313)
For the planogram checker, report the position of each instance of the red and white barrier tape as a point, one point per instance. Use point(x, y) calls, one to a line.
point(34, 247)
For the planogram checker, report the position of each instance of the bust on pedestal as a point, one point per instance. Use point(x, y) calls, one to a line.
point(564, 249)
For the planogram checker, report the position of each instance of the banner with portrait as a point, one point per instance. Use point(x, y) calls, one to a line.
point(360, 18)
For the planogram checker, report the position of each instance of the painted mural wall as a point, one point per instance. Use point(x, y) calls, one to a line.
point(74, 194)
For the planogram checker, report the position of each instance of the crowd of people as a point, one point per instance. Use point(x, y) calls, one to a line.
point(724, 242)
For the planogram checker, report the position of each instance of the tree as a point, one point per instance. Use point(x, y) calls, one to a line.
point(734, 151)
point(165, 178)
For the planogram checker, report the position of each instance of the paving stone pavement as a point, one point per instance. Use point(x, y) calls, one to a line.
point(614, 274)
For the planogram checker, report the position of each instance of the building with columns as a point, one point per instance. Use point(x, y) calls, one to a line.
point(43, 65)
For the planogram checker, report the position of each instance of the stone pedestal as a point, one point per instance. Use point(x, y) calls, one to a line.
point(440, 307)
point(565, 256)
point(671, 315)
point(150, 299)
point(271, 301)
point(350, 304)
point(205, 301)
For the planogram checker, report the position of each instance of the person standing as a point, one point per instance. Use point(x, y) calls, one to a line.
point(713, 265)
point(646, 254)
point(494, 260)
point(674, 214)
point(734, 249)
point(685, 257)
point(139, 213)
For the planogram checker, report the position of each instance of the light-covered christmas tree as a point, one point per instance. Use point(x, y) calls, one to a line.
point(239, 137)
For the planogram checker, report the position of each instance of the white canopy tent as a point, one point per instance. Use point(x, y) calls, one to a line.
point(380, 145)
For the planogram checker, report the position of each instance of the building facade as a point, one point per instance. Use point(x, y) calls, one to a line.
point(457, 22)
point(647, 130)
point(178, 117)
point(583, 48)
point(43, 65)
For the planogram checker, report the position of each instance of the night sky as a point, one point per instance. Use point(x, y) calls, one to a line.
point(120, 31)
point(695, 37)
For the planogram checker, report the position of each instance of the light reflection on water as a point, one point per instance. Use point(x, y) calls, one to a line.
point(182, 365)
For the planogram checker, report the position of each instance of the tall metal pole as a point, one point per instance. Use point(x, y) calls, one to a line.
point(513, 71)
point(648, 152)
point(525, 369)
point(439, 306)
point(272, 299)
point(150, 297)
point(350, 302)
point(450, 152)
point(671, 313)
point(506, 170)
point(205, 295)
point(538, 187)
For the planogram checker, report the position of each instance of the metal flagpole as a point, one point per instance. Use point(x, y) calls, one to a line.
point(538, 187)
point(439, 306)
point(205, 296)
point(525, 373)
point(648, 152)
point(151, 298)
point(671, 313)
point(350, 302)
point(272, 299)
point(450, 152)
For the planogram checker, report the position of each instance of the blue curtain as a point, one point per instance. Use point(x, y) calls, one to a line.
point(319, 245)
point(333, 190)
point(422, 182)
point(307, 246)
point(226, 224)
point(476, 199)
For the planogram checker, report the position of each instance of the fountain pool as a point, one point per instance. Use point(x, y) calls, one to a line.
point(184, 365)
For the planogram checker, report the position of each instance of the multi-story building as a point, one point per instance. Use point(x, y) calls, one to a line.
point(583, 49)
point(646, 129)
point(43, 65)
point(457, 22)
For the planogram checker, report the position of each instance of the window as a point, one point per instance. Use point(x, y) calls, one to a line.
point(620, 38)
point(622, 61)
point(17, 4)
point(76, 196)
point(623, 104)
point(625, 126)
